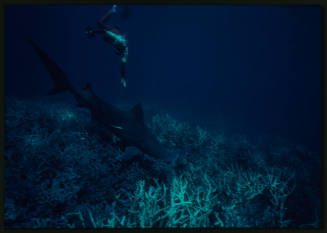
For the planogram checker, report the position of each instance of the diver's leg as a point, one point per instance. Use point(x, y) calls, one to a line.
point(123, 80)
point(104, 19)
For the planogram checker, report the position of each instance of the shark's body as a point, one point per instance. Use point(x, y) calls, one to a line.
point(127, 125)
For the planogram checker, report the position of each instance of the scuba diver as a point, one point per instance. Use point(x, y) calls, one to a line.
point(112, 36)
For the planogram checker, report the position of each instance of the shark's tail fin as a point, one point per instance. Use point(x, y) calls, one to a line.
point(60, 81)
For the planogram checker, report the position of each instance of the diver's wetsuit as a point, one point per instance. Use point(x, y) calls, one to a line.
point(113, 36)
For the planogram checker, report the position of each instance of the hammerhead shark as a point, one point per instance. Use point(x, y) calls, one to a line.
point(128, 125)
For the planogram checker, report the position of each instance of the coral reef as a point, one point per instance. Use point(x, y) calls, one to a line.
point(60, 174)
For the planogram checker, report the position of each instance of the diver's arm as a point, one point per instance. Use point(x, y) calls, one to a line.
point(90, 32)
point(102, 31)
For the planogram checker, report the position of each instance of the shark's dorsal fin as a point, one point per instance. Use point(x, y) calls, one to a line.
point(88, 86)
point(138, 112)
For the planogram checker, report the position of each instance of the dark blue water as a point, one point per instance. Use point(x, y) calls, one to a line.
point(247, 69)
point(241, 70)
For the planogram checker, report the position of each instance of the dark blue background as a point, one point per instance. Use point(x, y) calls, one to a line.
point(245, 69)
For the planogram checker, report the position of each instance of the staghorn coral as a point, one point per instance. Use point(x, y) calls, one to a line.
point(59, 174)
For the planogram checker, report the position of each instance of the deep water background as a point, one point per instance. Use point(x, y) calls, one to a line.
point(247, 69)
point(238, 70)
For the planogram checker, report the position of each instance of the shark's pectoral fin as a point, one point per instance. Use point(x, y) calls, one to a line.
point(122, 146)
point(80, 105)
point(94, 129)
point(137, 111)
